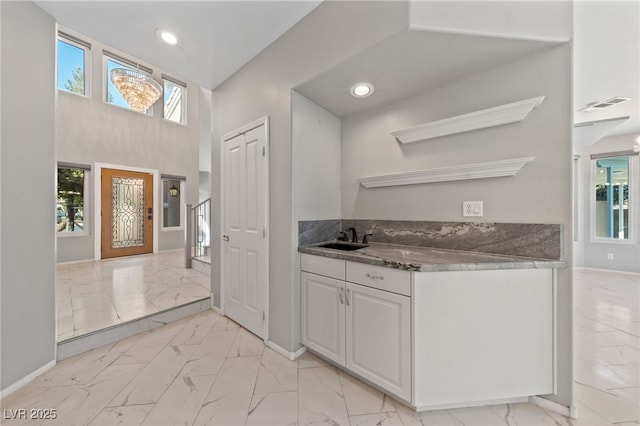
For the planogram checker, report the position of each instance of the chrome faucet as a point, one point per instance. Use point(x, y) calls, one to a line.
point(354, 235)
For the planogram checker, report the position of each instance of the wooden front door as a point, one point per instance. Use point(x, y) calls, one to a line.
point(127, 213)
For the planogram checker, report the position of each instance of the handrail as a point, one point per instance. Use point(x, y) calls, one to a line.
point(198, 232)
point(201, 203)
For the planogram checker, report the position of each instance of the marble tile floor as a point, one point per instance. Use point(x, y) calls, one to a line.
point(206, 370)
point(97, 294)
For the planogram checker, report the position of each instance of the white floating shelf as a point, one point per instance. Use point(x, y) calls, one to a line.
point(501, 168)
point(490, 117)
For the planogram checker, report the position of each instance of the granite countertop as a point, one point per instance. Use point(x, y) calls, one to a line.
point(425, 259)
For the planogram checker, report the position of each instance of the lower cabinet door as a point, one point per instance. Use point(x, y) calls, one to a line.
point(323, 315)
point(379, 338)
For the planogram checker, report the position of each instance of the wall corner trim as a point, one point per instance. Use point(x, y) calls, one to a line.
point(553, 406)
point(291, 356)
point(500, 168)
point(490, 117)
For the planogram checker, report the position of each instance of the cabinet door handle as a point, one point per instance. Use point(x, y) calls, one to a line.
point(348, 297)
point(341, 293)
point(374, 276)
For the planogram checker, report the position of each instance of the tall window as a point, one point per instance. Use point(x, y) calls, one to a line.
point(72, 63)
point(175, 105)
point(612, 207)
point(70, 206)
point(172, 202)
point(112, 95)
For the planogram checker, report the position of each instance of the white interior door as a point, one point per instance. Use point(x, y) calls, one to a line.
point(244, 228)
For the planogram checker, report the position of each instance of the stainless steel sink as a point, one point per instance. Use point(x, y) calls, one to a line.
point(344, 246)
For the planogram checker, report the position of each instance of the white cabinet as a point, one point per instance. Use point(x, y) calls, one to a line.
point(323, 316)
point(434, 339)
point(482, 336)
point(379, 338)
point(365, 329)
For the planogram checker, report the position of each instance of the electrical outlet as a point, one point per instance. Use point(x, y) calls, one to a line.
point(610, 256)
point(472, 208)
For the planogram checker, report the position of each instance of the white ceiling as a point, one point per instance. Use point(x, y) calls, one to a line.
point(411, 63)
point(216, 37)
point(607, 62)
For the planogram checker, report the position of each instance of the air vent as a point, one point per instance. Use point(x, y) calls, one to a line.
point(596, 106)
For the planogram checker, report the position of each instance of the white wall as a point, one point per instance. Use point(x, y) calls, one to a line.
point(594, 252)
point(88, 130)
point(318, 42)
point(539, 193)
point(27, 170)
point(315, 168)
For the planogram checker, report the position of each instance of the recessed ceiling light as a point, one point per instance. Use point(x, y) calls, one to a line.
point(167, 37)
point(361, 90)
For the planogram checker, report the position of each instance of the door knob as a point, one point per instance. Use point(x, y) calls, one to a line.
point(225, 237)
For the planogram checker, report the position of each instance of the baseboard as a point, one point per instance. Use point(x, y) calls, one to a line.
point(26, 379)
point(291, 356)
point(468, 404)
point(615, 271)
point(554, 406)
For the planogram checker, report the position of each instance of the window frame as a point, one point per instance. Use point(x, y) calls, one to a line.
point(86, 200)
point(633, 197)
point(183, 113)
point(182, 181)
point(86, 48)
point(125, 63)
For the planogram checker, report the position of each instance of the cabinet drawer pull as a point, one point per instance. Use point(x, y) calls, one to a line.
point(341, 293)
point(348, 297)
point(374, 277)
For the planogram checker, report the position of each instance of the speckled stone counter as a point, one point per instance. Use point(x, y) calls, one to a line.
point(426, 259)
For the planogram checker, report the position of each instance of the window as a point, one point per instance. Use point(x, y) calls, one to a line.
point(72, 63)
point(612, 197)
point(175, 105)
point(112, 95)
point(70, 205)
point(172, 190)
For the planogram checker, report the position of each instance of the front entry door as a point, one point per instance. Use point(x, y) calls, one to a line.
point(127, 213)
point(244, 228)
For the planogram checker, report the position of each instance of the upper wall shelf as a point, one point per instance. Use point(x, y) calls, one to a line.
point(501, 168)
point(490, 117)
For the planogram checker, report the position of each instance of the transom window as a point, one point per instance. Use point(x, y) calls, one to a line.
point(112, 95)
point(175, 100)
point(73, 64)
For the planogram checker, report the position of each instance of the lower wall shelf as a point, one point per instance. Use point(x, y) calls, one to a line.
point(501, 168)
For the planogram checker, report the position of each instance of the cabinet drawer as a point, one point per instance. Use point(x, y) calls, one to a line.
point(379, 277)
point(333, 268)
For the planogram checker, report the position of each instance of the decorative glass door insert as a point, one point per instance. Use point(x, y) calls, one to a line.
point(127, 213)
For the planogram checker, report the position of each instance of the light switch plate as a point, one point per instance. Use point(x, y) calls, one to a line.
point(472, 208)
